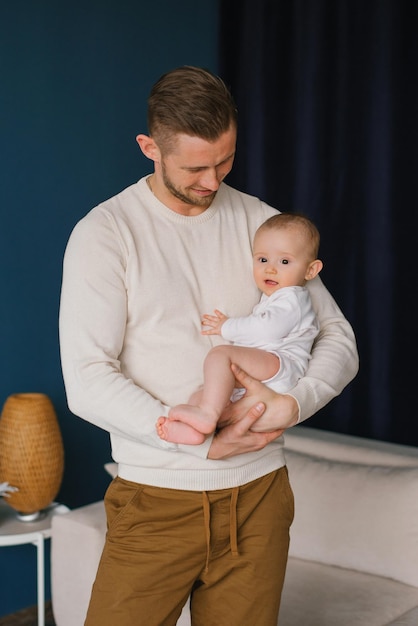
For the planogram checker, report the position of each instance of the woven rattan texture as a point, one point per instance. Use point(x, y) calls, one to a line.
point(31, 451)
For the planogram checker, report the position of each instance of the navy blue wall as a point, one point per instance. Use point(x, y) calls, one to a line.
point(74, 81)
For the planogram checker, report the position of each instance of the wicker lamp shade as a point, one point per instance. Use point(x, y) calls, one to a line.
point(31, 451)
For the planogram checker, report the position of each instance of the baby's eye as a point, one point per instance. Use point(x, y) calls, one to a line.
point(262, 259)
point(285, 261)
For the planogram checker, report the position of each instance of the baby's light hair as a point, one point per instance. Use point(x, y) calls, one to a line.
point(298, 221)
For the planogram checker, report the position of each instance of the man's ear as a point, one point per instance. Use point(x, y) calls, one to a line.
point(149, 147)
point(313, 269)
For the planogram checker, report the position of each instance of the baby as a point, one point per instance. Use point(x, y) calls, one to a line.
point(273, 344)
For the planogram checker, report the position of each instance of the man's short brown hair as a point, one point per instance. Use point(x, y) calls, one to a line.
point(192, 101)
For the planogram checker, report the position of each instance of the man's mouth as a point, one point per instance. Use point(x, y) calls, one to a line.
point(203, 192)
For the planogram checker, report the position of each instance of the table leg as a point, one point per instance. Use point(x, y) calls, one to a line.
point(41, 579)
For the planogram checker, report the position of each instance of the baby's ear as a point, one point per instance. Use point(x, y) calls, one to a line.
point(313, 269)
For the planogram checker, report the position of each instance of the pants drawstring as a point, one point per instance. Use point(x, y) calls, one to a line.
point(206, 519)
point(233, 522)
point(233, 527)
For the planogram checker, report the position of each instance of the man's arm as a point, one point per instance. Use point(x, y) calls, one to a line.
point(93, 315)
point(334, 360)
point(333, 365)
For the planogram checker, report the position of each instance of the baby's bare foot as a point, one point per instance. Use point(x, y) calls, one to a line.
point(200, 419)
point(178, 432)
point(160, 426)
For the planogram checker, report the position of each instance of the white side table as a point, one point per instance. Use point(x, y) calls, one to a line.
point(14, 532)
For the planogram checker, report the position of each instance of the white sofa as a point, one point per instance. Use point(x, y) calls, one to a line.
point(353, 557)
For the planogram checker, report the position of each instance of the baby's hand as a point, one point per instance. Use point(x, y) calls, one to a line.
point(214, 322)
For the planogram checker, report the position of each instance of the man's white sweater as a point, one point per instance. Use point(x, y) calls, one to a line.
point(137, 279)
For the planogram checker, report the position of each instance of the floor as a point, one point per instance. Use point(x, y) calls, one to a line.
point(28, 617)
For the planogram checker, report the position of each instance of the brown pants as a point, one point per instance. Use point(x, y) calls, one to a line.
point(226, 548)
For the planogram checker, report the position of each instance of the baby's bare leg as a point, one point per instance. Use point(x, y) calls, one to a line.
point(196, 397)
point(191, 424)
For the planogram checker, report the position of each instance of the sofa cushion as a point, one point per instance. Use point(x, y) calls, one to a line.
point(112, 469)
point(348, 448)
point(321, 595)
point(360, 517)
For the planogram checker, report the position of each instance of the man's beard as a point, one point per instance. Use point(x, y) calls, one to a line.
point(191, 199)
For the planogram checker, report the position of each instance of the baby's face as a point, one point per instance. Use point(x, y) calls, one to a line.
point(280, 259)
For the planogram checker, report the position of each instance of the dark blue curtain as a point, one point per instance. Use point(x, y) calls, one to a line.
point(328, 118)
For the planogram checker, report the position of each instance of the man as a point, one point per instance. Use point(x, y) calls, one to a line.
point(210, 520)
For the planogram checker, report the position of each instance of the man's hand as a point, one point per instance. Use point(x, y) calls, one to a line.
point(239, 437)
point(281, 411)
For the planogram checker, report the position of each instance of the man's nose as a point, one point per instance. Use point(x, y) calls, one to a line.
point(210, 179)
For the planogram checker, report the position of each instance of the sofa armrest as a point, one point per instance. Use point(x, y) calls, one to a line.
point(76, 545)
